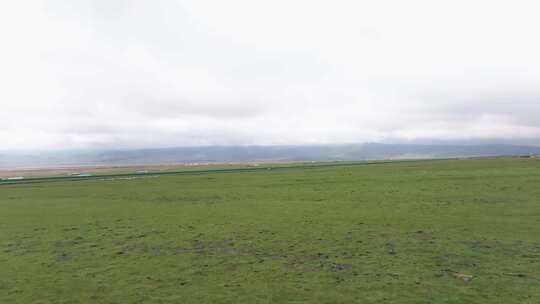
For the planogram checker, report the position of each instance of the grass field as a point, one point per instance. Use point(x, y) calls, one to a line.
point(453, 231)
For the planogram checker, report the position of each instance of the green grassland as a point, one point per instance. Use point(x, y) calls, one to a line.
point(450, 231)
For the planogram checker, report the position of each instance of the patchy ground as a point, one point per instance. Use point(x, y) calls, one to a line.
point(431, 232)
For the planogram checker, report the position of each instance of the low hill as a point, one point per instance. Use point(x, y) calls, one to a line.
point(222, 154)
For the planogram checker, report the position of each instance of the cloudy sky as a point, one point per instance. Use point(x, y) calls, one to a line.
point(133, 73)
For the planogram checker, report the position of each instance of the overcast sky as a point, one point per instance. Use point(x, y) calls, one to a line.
point(117, 74)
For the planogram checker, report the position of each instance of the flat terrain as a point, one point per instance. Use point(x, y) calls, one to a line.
point(106, 170)
point(453, 231)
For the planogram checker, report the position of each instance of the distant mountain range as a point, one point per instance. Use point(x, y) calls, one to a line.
point(224, 154)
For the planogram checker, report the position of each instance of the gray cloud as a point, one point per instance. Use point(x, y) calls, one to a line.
point(92, 74)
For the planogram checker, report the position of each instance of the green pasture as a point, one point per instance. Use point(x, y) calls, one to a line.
point(447, 231)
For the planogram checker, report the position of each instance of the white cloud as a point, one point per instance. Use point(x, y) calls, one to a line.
point(92, 74)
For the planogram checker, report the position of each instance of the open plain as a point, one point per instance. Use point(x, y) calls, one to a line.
point(446, 231)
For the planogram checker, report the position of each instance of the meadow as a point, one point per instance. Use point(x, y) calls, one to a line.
point(446, 231)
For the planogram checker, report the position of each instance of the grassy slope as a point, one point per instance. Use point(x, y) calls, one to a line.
point(389, 233)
